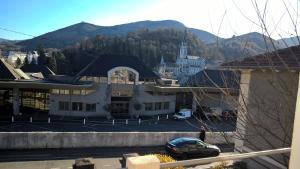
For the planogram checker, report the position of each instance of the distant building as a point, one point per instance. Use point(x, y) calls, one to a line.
point(33, 55)
point(184, 66)
point(14, 55)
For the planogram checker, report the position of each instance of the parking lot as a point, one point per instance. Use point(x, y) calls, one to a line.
point(154, 124)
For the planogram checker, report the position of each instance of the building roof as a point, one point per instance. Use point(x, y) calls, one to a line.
point(7, 72)
point(102, 64)
point(35, 68)
point(287, 58)
point(215, 78)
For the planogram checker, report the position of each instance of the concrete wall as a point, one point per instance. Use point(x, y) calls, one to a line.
point(266, 112)
point(31, 140)
point(98, 97)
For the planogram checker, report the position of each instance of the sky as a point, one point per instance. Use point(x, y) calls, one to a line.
point(224, 18)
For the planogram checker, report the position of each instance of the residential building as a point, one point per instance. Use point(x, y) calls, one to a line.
point(267, 101)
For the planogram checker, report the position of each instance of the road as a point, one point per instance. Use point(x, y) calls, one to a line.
point(145, 125)
point(103, 158)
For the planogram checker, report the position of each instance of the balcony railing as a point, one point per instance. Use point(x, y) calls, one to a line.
point(225, 158)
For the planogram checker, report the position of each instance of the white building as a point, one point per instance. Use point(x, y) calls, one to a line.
point(14, 55)
point(184, 66)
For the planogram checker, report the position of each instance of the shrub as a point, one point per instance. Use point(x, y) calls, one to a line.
point(221, 165)
point(166, 159)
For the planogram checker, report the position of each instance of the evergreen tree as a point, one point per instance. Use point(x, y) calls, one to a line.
point(26, 61)
point(18, 62)
point(42, 55)
point(33, 61)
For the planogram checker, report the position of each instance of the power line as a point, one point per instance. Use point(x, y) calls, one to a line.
point(17, 32)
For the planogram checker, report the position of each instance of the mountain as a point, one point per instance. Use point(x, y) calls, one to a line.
point(204, 36)
point(75, 33)
point(245, 45)
point(2, 40)
point(292, 41)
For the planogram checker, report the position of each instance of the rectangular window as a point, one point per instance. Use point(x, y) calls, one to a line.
point(90, 107)
point(76, 92)
point(63, 91)
point(166, 105)
point(77, 106)
point(158, 106)
point(55, 91)
point(63, 106)
point(148, 106)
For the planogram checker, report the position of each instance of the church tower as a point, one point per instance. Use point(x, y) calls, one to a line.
point(162, 66)
point(183, 50)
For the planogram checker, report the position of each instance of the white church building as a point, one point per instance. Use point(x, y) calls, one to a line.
point(185, 65)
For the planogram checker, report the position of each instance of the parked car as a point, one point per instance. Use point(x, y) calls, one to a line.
point(183, 114)
point(188, 147)
point(213, 113)
point(229, 114)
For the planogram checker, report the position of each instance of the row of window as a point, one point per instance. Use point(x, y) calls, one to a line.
point(77, 106)
point(157, 106)
point(74, 92)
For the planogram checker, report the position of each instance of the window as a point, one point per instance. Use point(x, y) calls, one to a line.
point(63, 106)
point(158, 106)
point(148, 106)
point(166, 105)
point(64, 92)
point(77, 92)
point(90, 107)
point(55, 91)
point(77, 106)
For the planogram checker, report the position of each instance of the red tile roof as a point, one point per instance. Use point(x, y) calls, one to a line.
point(287, 58)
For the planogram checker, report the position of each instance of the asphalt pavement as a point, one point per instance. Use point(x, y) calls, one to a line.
point(103, 158)
point(118, 125)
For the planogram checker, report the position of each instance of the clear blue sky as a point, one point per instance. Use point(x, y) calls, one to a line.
point(221, 17)
point(36, 17)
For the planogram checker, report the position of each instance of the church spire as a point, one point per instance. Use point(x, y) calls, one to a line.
point(162, 61)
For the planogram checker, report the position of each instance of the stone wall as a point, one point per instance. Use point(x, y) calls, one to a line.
point(31, 140)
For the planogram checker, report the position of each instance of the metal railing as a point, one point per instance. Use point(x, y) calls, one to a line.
point(225, 158)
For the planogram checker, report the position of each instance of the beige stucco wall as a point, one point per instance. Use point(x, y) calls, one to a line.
point(102, 96)
point(144, 97)
point(266, 111)
point(98, 97)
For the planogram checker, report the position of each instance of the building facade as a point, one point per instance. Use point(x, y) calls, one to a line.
point(184, 66)
point(267, 103)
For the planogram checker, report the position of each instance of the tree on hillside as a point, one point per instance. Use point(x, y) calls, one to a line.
point(18, 63)
point(26, 61)
point(33, 61)
point(42, 55)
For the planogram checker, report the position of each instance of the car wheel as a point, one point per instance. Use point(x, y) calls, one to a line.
point(184, 156)
point(215, 153)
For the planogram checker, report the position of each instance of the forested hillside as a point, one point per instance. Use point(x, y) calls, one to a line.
point(147, 45)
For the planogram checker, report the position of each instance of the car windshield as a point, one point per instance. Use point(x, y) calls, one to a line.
point(181, 141)
point(180, 113)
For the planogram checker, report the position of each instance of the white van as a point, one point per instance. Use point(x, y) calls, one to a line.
point(183, 114)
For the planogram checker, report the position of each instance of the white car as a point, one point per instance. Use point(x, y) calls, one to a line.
point(183, 114)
